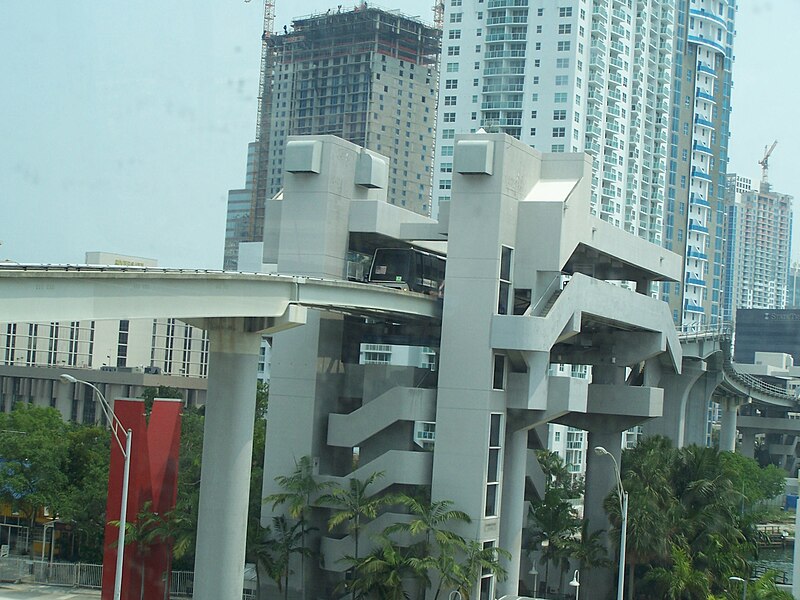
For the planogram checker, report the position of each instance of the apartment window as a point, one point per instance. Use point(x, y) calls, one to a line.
point(449, 100)
point(453, 50)
point(560, 98)
point(447, 151)
point(537, 62)
point(565, 28)
point(494, 464)
point(538, 46)
point(557, 148)
point(563, 46)
point(539, 12)
point(535, 79)
point(486, 591)
point(562, 79)
point(451, 84)
point(499, 372)
point(533, 130)
point(454, 34)
point(446, 167)
point(448, 134)
point(445, 184)
point(538, 29)
point(456, 17)
point(504, 293)
point(452, 67)
point(562, 63)
point(559, 132)
point(565, 11)
point(480, 17)
point(455, 2)
point(685, 155)
point(533, 114)
point(449, 117)
point(559, 115)
point(477, 65)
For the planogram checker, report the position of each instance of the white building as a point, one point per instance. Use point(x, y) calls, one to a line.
point(566, 78)
point(759, 247)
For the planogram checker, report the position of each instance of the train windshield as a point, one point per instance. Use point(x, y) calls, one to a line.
point(391, 265)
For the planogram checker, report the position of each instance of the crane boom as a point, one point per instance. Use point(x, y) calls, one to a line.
point(764, 162)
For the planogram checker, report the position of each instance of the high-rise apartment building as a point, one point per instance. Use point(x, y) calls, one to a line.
point(758, 250)
point(366, 75)
point(694, 220)
point(566, 77)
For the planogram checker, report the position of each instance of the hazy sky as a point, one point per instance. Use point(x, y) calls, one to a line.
point(124, 124)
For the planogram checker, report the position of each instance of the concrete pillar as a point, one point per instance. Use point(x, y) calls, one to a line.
point(227, 457)
point(513, 507)
point(748, 448)
point(727, 432)
point(600, 481)
point(677, 389)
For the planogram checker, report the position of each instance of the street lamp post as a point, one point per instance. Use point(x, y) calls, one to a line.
point(576, 583)
point(744, 585)
point(116, 426)
point(623, 506)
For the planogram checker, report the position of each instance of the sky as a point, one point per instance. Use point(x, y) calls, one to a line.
point(124, 124)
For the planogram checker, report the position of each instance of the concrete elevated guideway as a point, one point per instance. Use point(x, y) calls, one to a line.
point(236, 309)
point(709, 370)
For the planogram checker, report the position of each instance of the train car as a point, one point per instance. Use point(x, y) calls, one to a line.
point(408, 269)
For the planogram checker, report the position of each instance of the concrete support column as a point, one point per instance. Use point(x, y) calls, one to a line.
point(513, 507)
point(748, 448)
point(727, 432)
point(600, 481)
point(677, 389)
point(227, 457)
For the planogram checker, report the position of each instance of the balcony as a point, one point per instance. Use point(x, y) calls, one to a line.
point(697, 147)
point(704, 68)
point(698, 174)
point(703, 122)
point(696, 254)
point(705, 96)
point(693, 308)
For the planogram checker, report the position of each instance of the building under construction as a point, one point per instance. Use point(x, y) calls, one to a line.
point(367, 75)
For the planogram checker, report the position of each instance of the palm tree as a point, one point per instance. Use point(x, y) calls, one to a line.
point(438, 544)
point(681, 581)
point(463, 576)
point(299, 490)
point(355, 505)
point(283, 540)
point(381, 572)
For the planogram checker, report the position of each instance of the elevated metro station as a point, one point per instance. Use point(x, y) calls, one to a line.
point(532, 279)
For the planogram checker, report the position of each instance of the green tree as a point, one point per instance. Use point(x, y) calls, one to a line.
point(430, 522)
point(150, 393)
point(679, 581)
point(355, 505)
point(34, 447)
point(84, 502)
point(381, 572)
point(299, 489)
point(282, 541)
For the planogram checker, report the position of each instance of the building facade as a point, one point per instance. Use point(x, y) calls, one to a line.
point(366, 75)
point(569, 77)
point(699, 117)
point(758, 249)
point(521, 219)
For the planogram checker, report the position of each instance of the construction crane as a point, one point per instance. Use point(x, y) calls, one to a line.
point(764, 162)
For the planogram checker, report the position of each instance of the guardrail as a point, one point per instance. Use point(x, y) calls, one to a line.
point(19, 569)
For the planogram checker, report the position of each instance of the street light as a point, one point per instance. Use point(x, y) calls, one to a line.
point(576, 583)
point(743, 582)
point(623, 506)
point(116, 426)
point(535, 574)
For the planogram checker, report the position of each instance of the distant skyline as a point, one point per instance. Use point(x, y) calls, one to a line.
point(125, 124)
